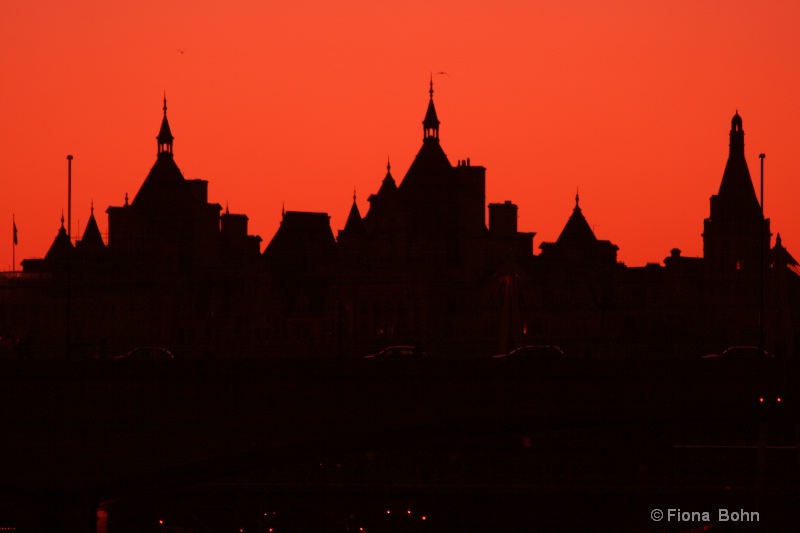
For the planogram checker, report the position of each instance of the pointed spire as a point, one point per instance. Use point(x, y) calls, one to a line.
point(736, 189)
point(431, 123)
point(354, 222)
point(91, 239)
point(126, 199)
point(388, 182)
point(577, 198)
point(165, 137)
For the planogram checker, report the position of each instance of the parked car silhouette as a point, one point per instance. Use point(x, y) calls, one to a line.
point(740, 353)
point(532, 353)
point(398, 352)
point(147, 353)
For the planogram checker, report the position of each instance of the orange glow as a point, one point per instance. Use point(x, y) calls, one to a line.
point(300, 102)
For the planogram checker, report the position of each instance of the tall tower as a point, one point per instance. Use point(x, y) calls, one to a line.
point(736, 239)
point(732, 239)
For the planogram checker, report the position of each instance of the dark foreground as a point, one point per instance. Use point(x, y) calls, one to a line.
point(395, 446)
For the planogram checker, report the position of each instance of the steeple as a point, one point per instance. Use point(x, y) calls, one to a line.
point(91, 235)
point(736, 189)
point(354, 221)
point(388, 182)
point(577, 230)
point(431, 123)
point(165, 135)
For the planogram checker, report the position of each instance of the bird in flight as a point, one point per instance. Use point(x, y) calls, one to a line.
point(181, 51)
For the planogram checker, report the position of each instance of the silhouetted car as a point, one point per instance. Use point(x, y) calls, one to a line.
point(740, 353)
point(398, 352)
point(532, 353)
point(147, 353)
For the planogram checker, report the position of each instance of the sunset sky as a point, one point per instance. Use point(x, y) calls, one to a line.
point(298, 103)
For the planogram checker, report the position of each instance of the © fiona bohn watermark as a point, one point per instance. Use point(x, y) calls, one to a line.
point(722, 515)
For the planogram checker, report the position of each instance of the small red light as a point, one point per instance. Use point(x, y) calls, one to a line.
point(778, 400)
point(424, 517)
point(761, 400)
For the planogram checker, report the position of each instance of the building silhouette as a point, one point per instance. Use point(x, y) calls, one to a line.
point(420, 267)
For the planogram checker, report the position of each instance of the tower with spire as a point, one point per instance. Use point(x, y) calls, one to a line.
point(736, 240)
point(431, 123)
point(736, 229)
point(165, 137)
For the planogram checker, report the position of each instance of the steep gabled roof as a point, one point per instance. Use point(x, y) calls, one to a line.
point(91, 235)
point(354, 224)
point(577, 231)
point(61, 246)
point(388, 185)
point(430, 161)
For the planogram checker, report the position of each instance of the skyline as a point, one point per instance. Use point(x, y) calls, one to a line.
point(630, 105)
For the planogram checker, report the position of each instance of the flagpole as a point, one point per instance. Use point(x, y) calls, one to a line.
point(14, 244)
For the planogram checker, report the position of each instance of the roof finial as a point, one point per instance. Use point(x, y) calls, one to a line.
point(354, 194)
point(431, 89)
point(577, 197)
point(388, 164)
point(126, 198)
point(62, 219)
point(165, 103)
point(92, 206)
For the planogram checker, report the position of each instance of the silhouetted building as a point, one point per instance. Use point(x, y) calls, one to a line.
point(420, 267)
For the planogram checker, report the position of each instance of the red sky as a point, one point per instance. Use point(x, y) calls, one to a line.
point(299, 102)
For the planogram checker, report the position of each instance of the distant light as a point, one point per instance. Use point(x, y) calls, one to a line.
point(424, 517)
point(761, 400)
point(778, 400)
point(161, 522)
point(388, 511)
point(409, 512)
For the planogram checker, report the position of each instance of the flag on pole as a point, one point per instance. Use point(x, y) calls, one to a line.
point(15, 232)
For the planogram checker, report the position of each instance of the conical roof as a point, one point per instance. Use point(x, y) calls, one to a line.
point(736, 188)
point(91, 235)
point(354, 221)
point(164, 134)
point(577, 230)
point(61, 246)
